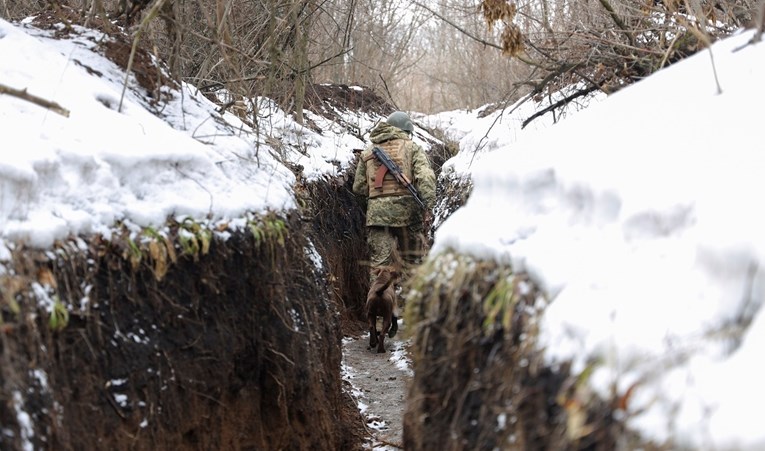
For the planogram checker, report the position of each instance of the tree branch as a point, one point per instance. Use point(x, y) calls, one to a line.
point(385, 85)
point(760, 22)
point(558, 104)
point(617, 20)
point(457, 27)
point(24, 95)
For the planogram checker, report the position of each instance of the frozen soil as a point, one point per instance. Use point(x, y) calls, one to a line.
point(379, 383)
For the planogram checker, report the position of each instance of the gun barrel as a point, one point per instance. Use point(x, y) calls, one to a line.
point(416, 196)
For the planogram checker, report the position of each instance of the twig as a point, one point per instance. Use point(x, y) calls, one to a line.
point(24, 95)
point(714, 70)
point(759, 27)
point(144, 24)
point(486, 135)
point(669, 50)
point(617, 20)
point(310, 68)
point(385, 85)
point(702, 35)
point(760, 23)
point(559, 103)
point(458, 28)
point(385, 442)
point(114, 405)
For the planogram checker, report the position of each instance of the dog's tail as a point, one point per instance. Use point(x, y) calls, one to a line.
point(384, 280)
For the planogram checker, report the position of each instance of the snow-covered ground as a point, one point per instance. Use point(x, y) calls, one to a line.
point(378, 383)
point(638, 215)
point(639, 218)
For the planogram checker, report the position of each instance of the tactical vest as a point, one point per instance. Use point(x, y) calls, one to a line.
point(388, 186)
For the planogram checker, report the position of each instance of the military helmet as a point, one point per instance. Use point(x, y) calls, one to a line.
point(401, 120)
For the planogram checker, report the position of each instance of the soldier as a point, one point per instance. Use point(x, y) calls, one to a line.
point(394, 217)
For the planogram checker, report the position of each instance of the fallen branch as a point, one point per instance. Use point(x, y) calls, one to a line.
point(24, 95)
point(559, 104)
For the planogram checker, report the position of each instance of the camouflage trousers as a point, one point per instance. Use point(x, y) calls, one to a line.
point(408, 242)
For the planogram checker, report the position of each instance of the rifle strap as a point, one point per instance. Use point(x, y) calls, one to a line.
point(380, 175)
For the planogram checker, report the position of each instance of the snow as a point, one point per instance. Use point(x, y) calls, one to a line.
point(400, 357)
point(638, 218)
point(636, 215)
point(79, 174)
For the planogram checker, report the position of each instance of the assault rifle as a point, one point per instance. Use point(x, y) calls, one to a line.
point(390, 165)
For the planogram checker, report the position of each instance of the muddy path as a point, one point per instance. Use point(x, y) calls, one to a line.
point(379, 384)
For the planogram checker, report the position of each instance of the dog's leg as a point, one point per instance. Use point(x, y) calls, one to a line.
point(372, 330)
point(385, 327)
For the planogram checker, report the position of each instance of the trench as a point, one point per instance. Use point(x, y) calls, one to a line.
point(231, 340)
point(236, 346)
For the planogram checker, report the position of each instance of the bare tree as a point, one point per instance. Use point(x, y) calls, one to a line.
point(378, 41)
point(428, 55)
point(607, 44)
point(464, 65)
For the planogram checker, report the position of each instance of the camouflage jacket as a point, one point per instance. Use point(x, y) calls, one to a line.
point(402, 210)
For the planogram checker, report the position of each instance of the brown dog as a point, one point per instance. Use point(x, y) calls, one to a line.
point(380, 301)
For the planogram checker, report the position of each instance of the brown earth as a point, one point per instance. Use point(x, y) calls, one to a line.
point(234, 348)
point(372, 379)
point(379, 383)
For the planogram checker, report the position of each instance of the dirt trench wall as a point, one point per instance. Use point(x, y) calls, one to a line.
point(237, 348)
point(480, 382)
point(338, 230)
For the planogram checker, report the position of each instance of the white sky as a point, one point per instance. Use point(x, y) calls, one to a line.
point(638, 215)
